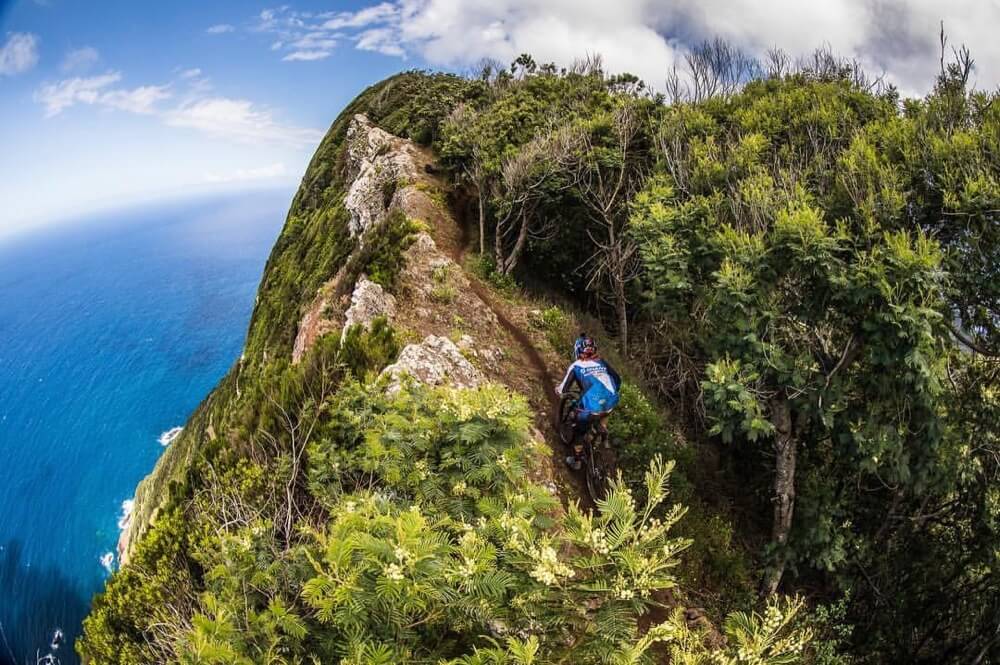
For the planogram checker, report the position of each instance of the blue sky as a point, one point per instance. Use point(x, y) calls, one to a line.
point(109, 103)
point(123, 102)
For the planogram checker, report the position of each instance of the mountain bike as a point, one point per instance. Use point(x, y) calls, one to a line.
point(596, 468)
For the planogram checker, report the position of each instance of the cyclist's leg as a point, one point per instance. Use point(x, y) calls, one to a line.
point(580, 425)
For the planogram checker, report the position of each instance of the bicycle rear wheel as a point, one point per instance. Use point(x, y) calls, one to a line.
point(597, 479)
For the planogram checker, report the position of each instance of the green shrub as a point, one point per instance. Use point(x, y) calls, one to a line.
point(386, 250)
point(442, 291)
point(369, 350)
point(483, 267)
point(556, 326)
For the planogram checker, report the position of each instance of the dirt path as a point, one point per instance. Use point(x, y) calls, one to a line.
point(531, 353)
point(571, 485)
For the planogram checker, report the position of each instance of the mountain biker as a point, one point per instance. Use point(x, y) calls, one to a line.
point(599, 385)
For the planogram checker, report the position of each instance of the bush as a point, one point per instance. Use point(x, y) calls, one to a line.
point(369, 350)
point(483, 267)
point(556, 326)
point(386, 250)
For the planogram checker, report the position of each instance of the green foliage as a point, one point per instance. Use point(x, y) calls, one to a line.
point(369, 350)
point(786, 247)
point(799, 258)
point(139, 598)
point(556, 326)
point(386, 249)
point(484, 267)
point(442, 291)
point(831, 633)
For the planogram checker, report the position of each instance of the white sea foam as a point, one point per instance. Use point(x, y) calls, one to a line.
point(57, 639)
point(126, 515)
point(108, 561)
point(170, 435)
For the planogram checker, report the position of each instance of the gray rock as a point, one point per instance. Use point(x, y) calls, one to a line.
point(377, 162)
point(435, 361)
point(368, 302)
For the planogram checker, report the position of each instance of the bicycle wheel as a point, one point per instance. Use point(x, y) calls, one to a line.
point(567, 414)
point(597, 479)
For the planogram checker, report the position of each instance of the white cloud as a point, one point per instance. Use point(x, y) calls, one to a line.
point(239, 120)
point(56, 97)
point(240, 175)
point(220, 29)
point(649, 37)
point(19, 53)
point(376, 14)
point(138, 100)
point(306, 56)
point(382, 40)
point(80, 59)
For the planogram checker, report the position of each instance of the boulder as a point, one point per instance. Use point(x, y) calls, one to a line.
point(377, 162)
point(435, 361)
point(368, 302)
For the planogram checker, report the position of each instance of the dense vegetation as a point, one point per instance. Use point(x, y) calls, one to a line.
point(802, 265)
point(806, 266)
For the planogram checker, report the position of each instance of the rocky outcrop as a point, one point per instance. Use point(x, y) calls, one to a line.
point(433, 362)
point(385, 173)
point(377, 163)
point(321, 318)
point(368, 302)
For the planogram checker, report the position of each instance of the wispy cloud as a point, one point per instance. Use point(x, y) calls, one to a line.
point(220, 29)
point(56, 97)
point(381, 40)
point(306, 56)
point(141, 100)
point(80, 59)
point(19, 53)
point(94, 90)
point(239, 120)
point(304, 36)
point(359, 19)
point(240, 175)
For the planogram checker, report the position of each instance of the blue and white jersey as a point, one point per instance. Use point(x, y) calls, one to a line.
point(598, 382)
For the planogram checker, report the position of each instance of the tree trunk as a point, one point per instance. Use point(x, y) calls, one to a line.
point(786, 449)
point(482, 224)
point(515, 254)
point(620, 306)
point(498, 258)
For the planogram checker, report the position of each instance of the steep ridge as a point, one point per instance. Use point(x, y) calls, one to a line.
point(400, 272)
point(468, 334)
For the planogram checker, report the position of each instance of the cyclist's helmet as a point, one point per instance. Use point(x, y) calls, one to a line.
point(584, 347)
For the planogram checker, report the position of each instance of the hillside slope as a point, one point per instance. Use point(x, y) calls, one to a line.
point(799, 262)
point(371, 482)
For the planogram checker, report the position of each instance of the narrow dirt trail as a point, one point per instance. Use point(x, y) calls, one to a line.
point(571, 486)
point(530, 351)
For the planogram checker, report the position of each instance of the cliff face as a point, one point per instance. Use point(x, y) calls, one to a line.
point(459, 339)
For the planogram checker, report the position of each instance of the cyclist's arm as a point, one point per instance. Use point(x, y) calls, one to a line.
point(615, 377)
point(567, 381)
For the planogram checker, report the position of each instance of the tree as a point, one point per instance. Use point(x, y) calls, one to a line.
point(529, 176)
point(607, 169)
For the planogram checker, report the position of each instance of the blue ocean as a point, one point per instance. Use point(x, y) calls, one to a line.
point(112, 330)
